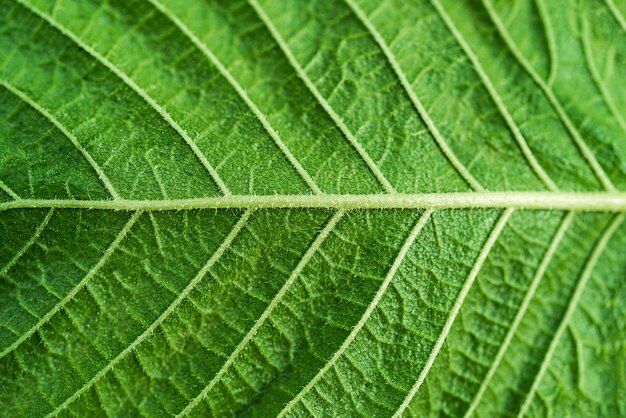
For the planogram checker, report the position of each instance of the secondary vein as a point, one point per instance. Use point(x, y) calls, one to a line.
point(585, 39)
point(616, 13)
point(57, 123)
point(310, 252)
point(150, 330)
point(419, 225)
point(241, 92)
point(417, 103)
point(137, 89)
point(551, 96)
point(530, 294)
point(9, 191)
point(571, 308)
point(28, 243)
point(456, 308)
point(61, 304)
point(322, 101)
point(497, 99)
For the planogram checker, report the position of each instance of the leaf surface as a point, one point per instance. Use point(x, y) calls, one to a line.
point(326, 208)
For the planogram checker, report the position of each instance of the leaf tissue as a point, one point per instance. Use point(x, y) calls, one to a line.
point(322, 208)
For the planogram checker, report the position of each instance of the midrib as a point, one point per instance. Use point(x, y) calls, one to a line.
point(586, 201)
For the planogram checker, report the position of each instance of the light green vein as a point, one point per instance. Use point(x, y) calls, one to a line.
point(322, 101)
point(549, 33)
point(595, 75)
point(495, 233)
point(28, 243)
point(580, 361)
point(616, 13)
point(9, 191)
point(242, 93)
point(551, 96)
point(517, 133)
point(366, 315)
point(44, 319)
point(321, 237)
point(135, 87)
point(150, 330)
point(587, 201)
point(545, 262)
point(571, 308)
point(39, 108)
point(417, 103)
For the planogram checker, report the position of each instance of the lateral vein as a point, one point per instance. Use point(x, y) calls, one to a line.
point(616, 13)
point(241, 92)
point(571, 308)
point(9, 191)
point(595, 75)
point(137, 89)
point(456, 308)
point(192, 284)
point(417, 103)
point(549, 34)
point(321, 237)
point(552, 98)
point(497, 99)
point(61, 304)
point(556, 240)
point(368, 312)
point(28, 243)
point(322, 101)
point(43, 111)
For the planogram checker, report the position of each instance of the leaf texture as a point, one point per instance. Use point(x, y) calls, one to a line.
point(312, 208)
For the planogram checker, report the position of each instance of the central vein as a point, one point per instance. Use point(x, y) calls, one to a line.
point(586, 201)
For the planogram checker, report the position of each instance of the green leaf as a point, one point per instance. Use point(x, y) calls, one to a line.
point(326, 208)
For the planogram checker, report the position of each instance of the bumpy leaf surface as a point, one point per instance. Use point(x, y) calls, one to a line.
point(312, 208)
